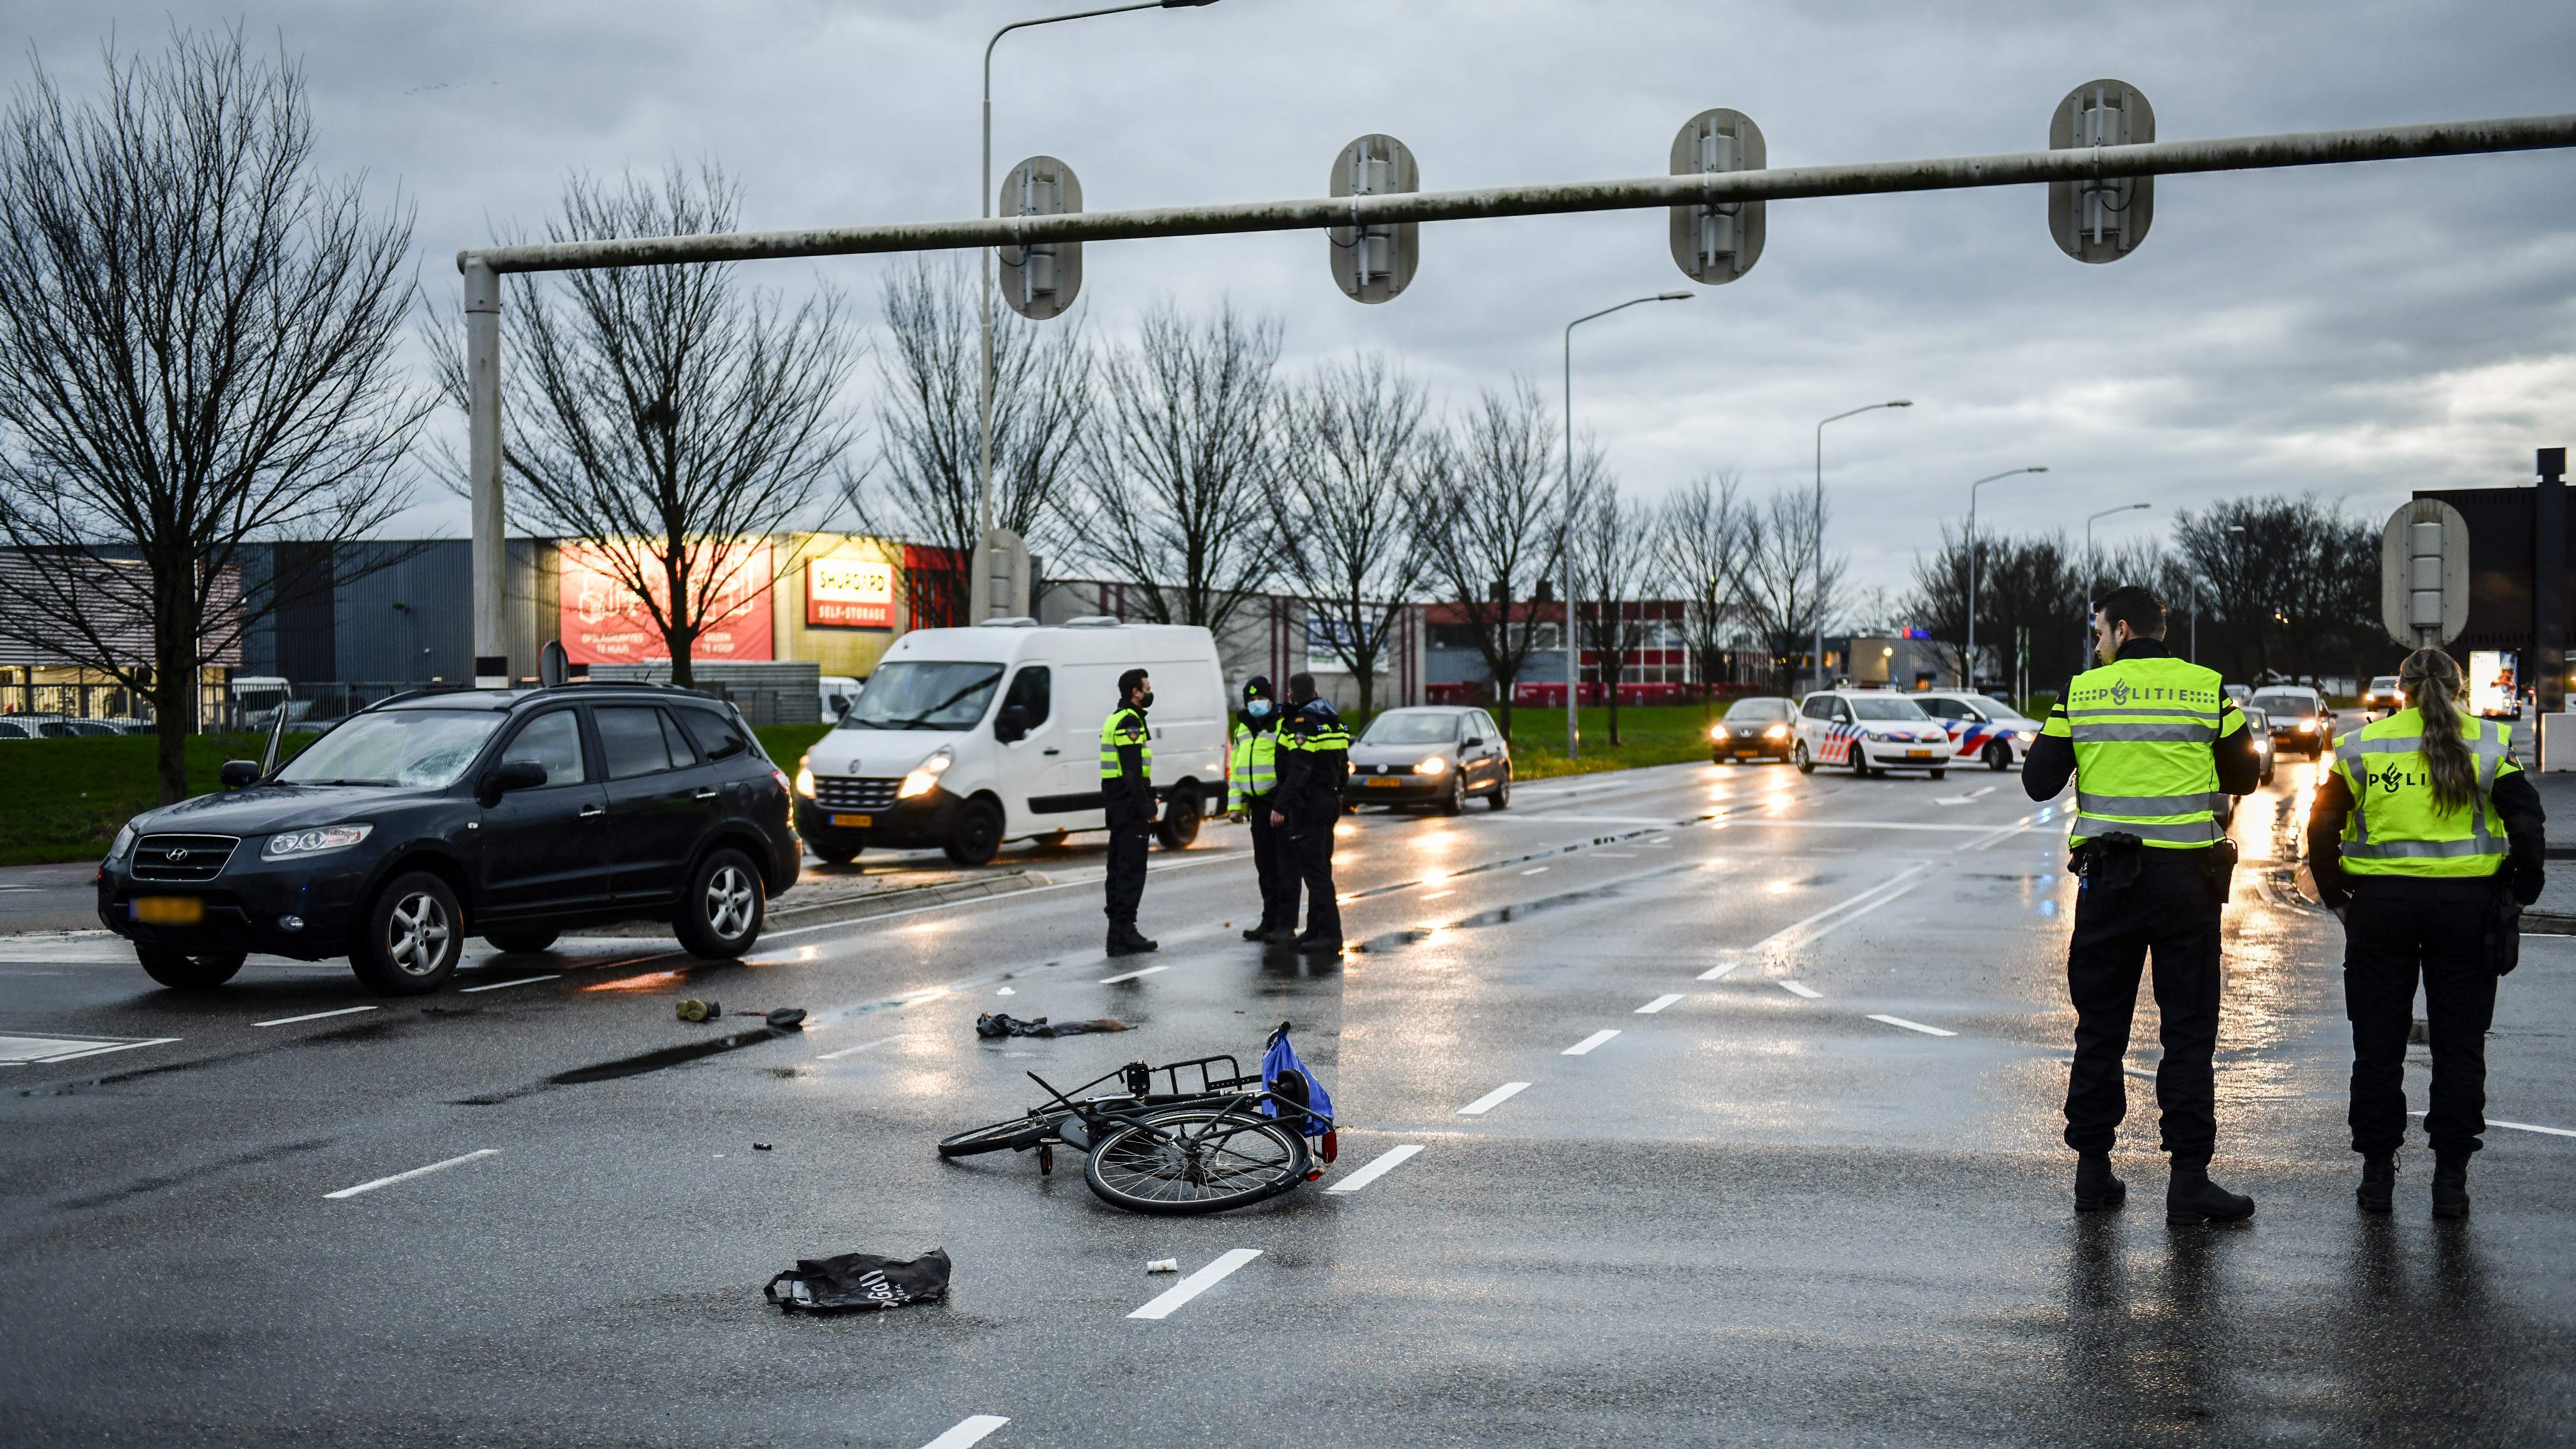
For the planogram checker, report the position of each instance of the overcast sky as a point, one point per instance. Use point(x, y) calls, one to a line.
point(2356, 332)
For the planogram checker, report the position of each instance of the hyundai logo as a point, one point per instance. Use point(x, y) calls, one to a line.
point(176, 856)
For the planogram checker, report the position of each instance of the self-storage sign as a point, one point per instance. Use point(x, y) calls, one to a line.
point(844, 593)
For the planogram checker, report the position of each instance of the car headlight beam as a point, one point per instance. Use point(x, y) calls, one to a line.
point(296, 843)
point(1776, 732)
point(1432, 765)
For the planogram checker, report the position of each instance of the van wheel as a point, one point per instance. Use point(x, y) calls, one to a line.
point(526, 938)
point(979, 834)
point(1998, 756)
point(1180, 823)
point(721, 913)
point(413, 934)
point(182, 971)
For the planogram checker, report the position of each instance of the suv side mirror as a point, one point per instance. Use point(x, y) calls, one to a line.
point(240, 774)
point(510, 775)
point(1012, 723)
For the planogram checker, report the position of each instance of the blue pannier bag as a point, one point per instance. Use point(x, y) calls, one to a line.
point(1283, 1073)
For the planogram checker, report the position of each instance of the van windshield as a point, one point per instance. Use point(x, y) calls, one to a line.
point(924, 695)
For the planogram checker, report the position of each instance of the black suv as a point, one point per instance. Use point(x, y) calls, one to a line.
point(510, 815)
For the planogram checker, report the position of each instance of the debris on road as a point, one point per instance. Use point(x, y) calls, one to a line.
point(993, 1024)
point(692, 1009)
point(1163, 1265)
point(760, 1147)
point(785, 1018)
point(861, 1281)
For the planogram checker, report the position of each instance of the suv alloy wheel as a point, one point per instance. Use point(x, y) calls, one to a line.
point(413, 935)
point(722, 912)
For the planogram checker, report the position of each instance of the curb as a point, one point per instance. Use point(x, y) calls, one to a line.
point(2547, 923)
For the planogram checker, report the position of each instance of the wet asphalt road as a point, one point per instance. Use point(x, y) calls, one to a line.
point(1755, 1214)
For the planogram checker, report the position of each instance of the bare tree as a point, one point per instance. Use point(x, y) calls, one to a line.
point(1352, 467)
point(1787, 583)
point(1615, 569)
point(1175, 479)
point(1492, 529)
point(1701, 540)
point(197, 355)
point(1940, 601)
point(929, 441)
point(673, 414)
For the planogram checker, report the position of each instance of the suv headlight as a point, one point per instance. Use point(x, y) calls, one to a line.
point(926, 775)
point(314, 842)
point(124, 842)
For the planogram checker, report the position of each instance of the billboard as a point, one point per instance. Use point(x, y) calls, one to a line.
point(849, 593)
point(602, 622)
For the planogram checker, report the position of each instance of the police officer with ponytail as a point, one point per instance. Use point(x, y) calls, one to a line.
point(2427, 840)
point(1251, 779)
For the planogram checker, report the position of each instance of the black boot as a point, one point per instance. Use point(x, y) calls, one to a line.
point(1315, 945)
point(1279, 935)
point(2096, 1190)
point(1257, 933)
point(2192, 1198)
point(2378, 1188)
point(1126, 940)
point(2450, 1184)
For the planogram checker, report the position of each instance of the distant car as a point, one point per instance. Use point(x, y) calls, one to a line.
point(18, 729)
point(1870, 730)
point(1760, 727)
point(2298, 718)
point(1436, 755)
point(2237, 692)
point(431, 817)
point(74, 729)
point(839, 692)
point(2382, 699)
point(1982, 727)
point(2259, 725)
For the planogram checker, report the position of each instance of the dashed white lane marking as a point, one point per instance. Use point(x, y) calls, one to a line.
point(314, 1016)
point(1717, 973)
point(1197, 1283)
point(1660, 1002)
point(969, 1430)
point(1963, 799)
point(1435, 895)
point(408, 1176)
point(1584, 1047)
point(17, 1051)
point(506, 985)
point(1913, 1025)
point(1386, 1162)
point(1614, 855)
point(1493, 1099)
point(863, 1046)
point(2521, 1126)
point(1132, 975)
point(1535, 870)
point(1800, 988)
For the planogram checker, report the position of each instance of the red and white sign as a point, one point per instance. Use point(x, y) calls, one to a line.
point(849, 593)
point(604, 623)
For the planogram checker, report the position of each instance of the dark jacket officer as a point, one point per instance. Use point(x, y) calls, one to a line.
point(1314, 760)
point(1127, 795)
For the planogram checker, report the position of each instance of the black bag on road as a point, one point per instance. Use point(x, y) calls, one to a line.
point(860, 1281)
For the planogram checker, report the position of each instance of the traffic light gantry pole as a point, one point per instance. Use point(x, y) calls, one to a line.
point(482, 266)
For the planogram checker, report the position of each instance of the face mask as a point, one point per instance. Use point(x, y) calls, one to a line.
point(1258, 709)
point(1145, 700)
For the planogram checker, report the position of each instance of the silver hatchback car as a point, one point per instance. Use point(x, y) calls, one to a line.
point(1435, 754)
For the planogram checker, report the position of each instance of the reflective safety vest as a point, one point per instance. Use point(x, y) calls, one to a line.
point(1125, 727)
point(2143, 731)
point(2395, 827)
point(1253, 768)
point(1314, 730)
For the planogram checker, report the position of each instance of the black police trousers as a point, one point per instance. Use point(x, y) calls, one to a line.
point(2394, 931)
point(1271, 865)
point(2171, 913)
point(1310, 852)
point(1126, 866)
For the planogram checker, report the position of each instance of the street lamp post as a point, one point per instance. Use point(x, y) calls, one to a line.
point(980, 585)
point(1573, 649)
point(1819, 602)
point(2092, 584)
point(1971, 681)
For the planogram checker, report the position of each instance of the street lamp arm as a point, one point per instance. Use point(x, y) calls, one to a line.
point(1050, 20)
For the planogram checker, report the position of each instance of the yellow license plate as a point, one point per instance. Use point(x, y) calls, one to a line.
point(1386, 782)
point(168, 910)
point(854, 822)
point(1925, 754)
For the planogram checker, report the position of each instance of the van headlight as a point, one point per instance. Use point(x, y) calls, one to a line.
point(805, 777)
point(314, 842)
point(1432, 765)
point(925, 776)
point(123, 842)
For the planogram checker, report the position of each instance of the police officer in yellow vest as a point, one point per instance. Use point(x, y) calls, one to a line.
point(1251, 779)
point(2151, 742)
point(2427, 840)
point(1127, 794)
point(1314, 760)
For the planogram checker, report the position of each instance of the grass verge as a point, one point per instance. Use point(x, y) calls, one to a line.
point(1658, 734)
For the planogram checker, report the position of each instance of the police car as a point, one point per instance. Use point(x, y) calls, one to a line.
point(1869, 730)
point(1981, 726)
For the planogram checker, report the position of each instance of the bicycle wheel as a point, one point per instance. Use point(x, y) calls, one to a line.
point(1190, 1160)
point(1019, 1134)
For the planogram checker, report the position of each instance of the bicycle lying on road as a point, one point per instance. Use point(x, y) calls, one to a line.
point(1230, 1141)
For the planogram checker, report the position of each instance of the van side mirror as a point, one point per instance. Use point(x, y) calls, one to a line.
point(510, 775)
point(239, 774)
point(1012, 723)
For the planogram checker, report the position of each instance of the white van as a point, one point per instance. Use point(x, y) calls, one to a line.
point(966, 738)
point(838, 693)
